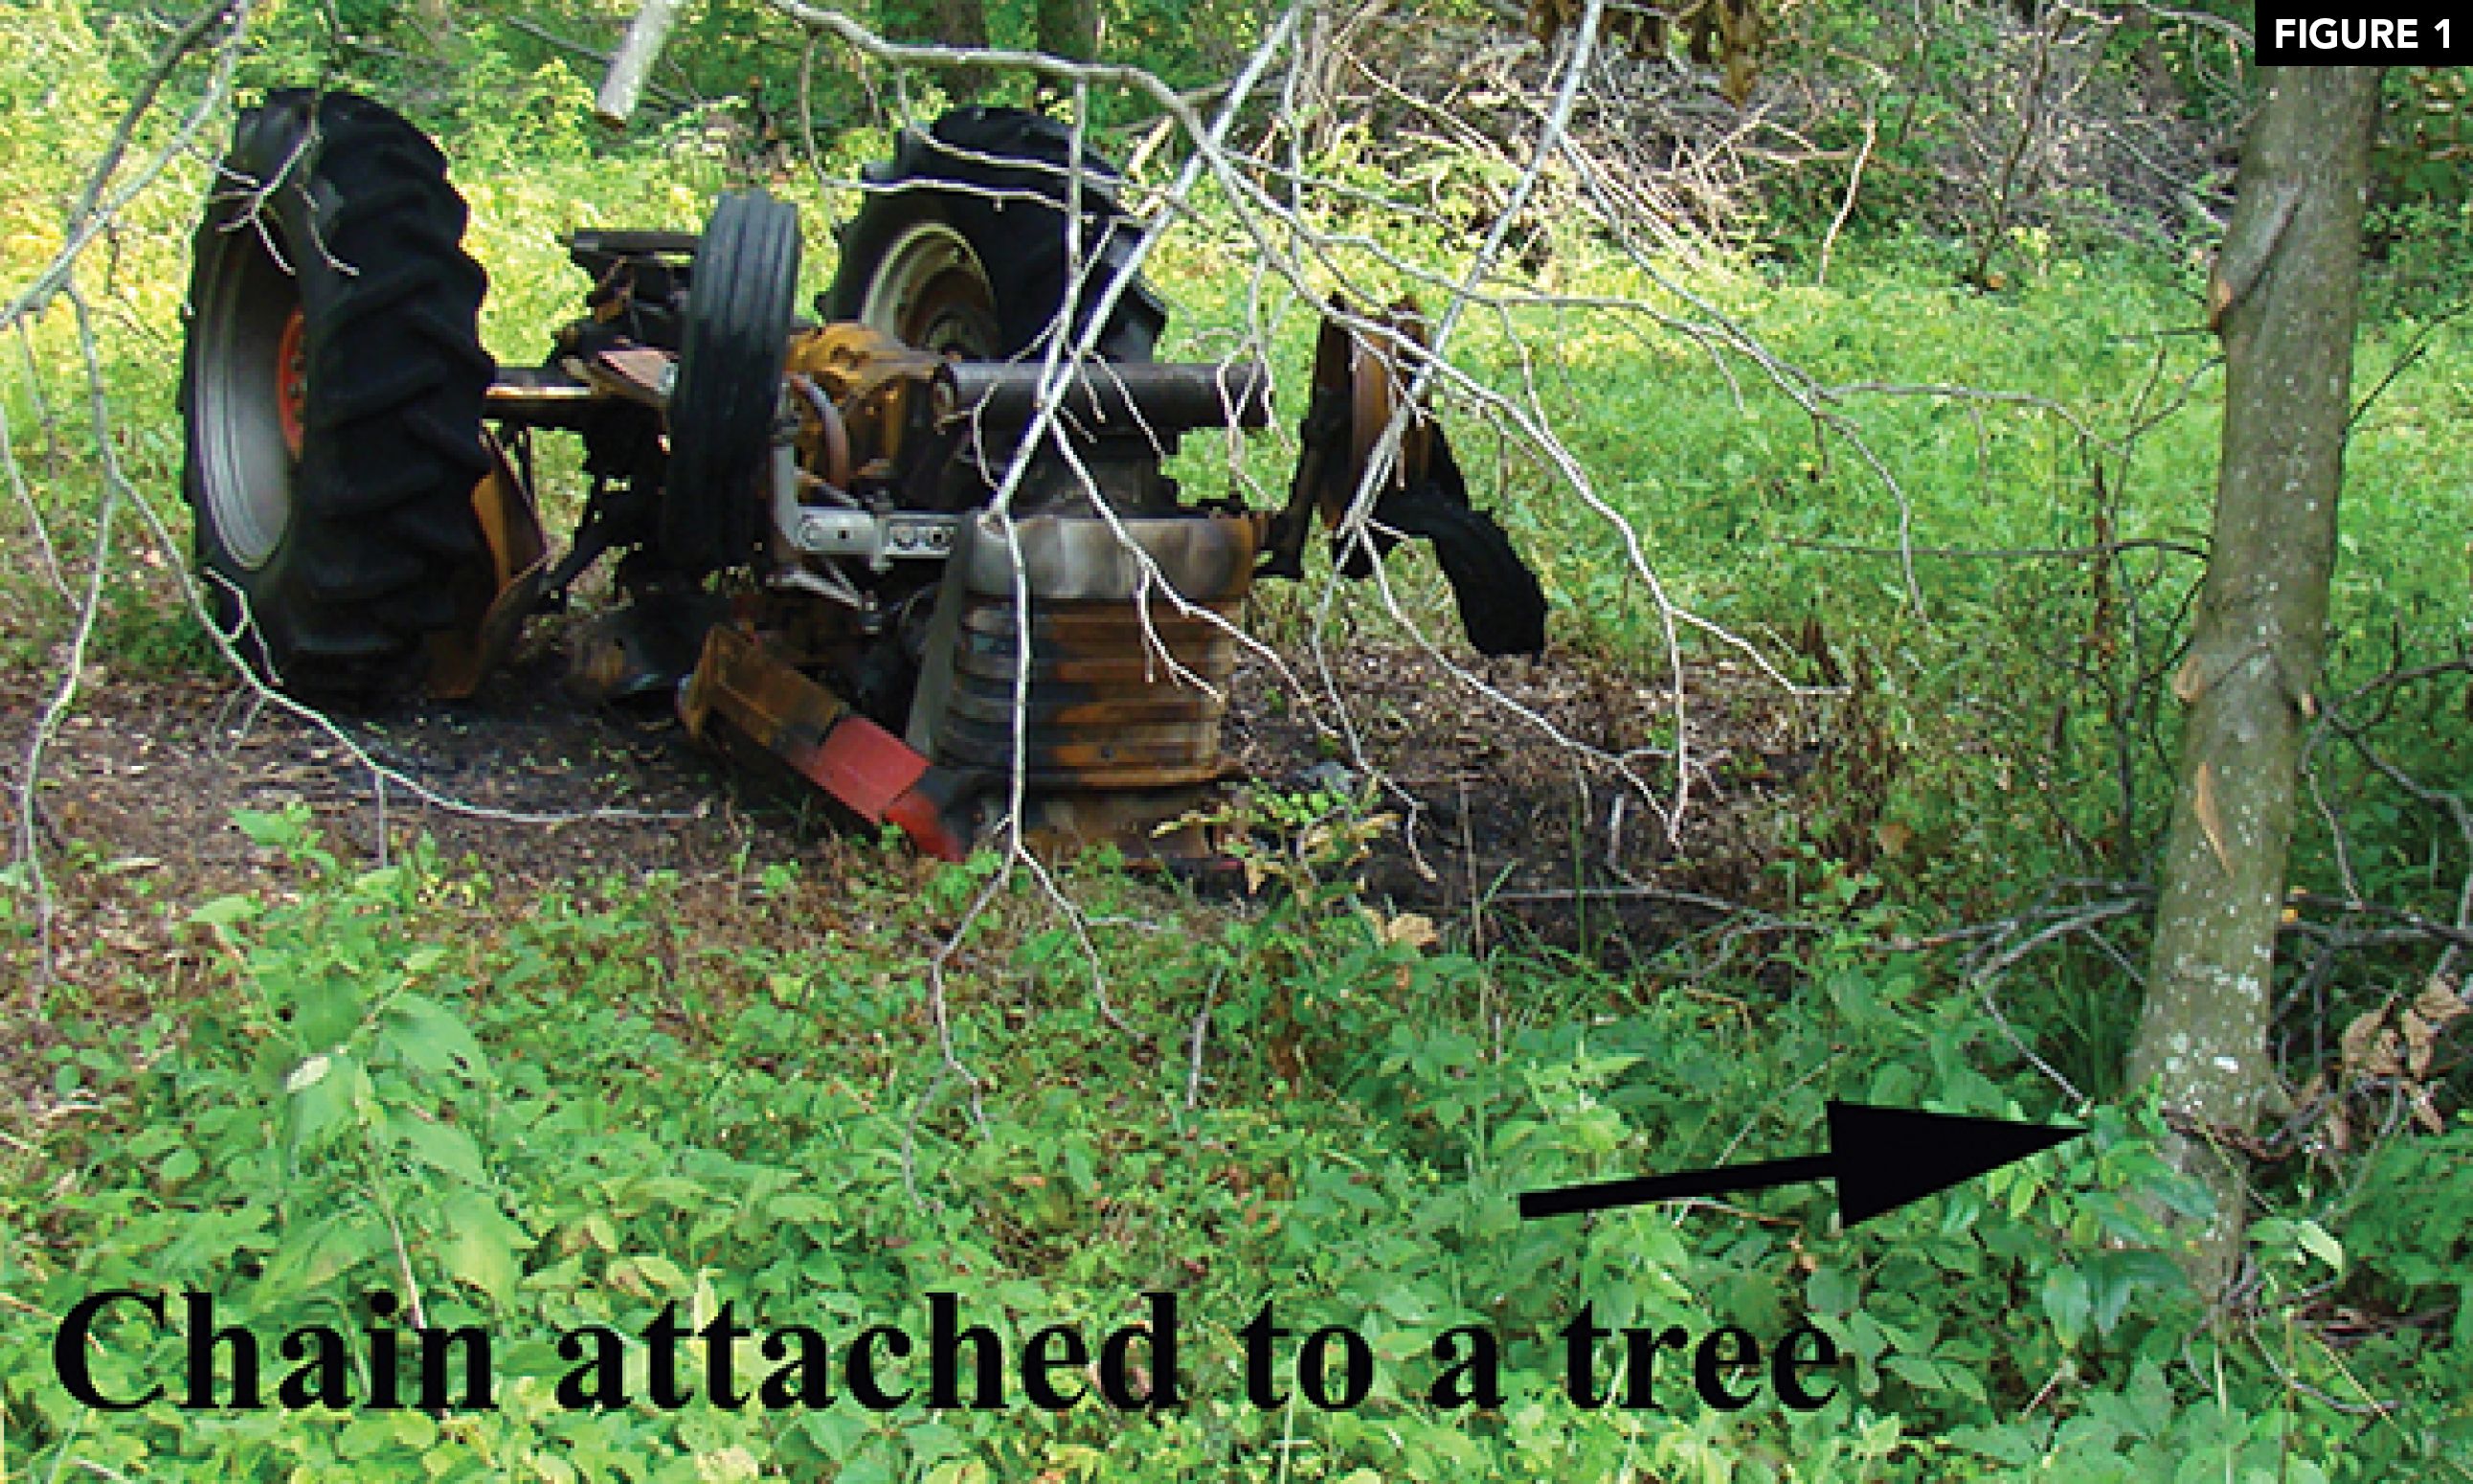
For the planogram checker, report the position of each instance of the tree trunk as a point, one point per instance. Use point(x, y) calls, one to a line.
point(2283, 299)
point(960, 23)
point(1068, 27)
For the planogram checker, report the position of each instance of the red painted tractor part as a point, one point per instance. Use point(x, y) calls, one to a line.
point(868, 768)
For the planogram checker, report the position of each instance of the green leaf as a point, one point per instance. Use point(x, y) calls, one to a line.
point(2068, 1304)
point(264, 828)
point(442, 1147)
point(1079, 1167)
point(2117, 1278)
point(795, 1209)
point(225, 911)
point(481, 1244)
point(322, 1100)
point(834, 1432)
point(1915, 1371)
point(329, 1010)
point(363, 1436)
point(341, 1245)
point(2019, 1447)
point(660, 1272)
point(2317, 1243)
point(309, 1073)
point(432, 1039)
point(1832, 1290)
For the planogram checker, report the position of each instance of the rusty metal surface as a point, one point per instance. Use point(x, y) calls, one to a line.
point(869, 378)
point(814, 732)
point(521, 390)
point(1094, 720)
point(1127, 634)
point(1202, 558)
point(1161, 398)
point(498, 593)
point(641, 374)
point(826, 434)
point(510, 521)
point(643, 647)
point(773, 704)
point(1379, 368)
point(1121, 678)
point(1357, 387)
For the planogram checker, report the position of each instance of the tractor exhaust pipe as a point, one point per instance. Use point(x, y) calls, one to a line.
point(1163, 397)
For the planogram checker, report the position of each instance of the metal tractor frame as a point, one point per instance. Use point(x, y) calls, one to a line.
point(932, 566)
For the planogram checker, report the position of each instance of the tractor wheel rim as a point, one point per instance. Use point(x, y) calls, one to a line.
point(292, 381)
point(933, 293)
point(250, 392)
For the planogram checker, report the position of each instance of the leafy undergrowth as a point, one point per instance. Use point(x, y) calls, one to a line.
point(530, 1117)
point(529, 1113)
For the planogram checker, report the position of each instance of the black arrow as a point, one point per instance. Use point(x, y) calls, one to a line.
point(1882, 1158)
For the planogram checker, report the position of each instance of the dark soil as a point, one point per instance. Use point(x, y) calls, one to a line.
point(136, 811)
point(1495, 811)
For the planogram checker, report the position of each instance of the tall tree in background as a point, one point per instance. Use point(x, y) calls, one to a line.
point(1068, 27)
point(2283, 299)
point(946, 23)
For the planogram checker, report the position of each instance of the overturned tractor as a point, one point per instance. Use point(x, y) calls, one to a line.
point(929, 563)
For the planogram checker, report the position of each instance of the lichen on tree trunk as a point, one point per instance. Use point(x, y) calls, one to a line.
point(2282, 298)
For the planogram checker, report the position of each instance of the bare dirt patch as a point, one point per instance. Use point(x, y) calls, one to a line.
point(1502, 825)
point(1501, 831)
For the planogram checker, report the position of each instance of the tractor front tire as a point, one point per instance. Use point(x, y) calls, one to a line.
point(734, 336)
point(333, 386)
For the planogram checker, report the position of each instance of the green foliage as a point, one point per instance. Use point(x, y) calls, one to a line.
point(2425, 150)
point(2412, 1231)
point(542, 1114)
point(2420, 225)
point(591, 1110)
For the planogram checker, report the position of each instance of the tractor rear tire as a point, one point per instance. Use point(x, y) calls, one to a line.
point(332, 386)
point(734, 335)
point(961, 245)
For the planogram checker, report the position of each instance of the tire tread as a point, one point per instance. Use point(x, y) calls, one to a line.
point(380, 515)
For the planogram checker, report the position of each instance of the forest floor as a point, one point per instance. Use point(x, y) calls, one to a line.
point(147, 773)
